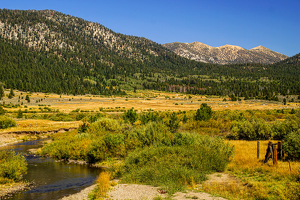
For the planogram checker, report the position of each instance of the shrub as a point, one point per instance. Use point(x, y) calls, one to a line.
point(148, 116)
point(83, 127)
point(204, 113)
point(291, 145)
point(130, 115)
point(102, 125)
point(80, 116)
point(69, 146)
point(115, 144)
point(255, 129)
point(154, 133)
point(6, 122)
point(175, 167)
point(12, 165)
point(97, 151)
point(61, 117)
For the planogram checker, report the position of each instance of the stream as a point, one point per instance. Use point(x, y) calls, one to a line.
point(52, 180)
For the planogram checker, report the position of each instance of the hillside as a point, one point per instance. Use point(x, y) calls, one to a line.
point(291, 61)
point(78, 56)
point(227, 54)
point(51, 52)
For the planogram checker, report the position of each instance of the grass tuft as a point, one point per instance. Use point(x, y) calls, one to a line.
point(103, 185)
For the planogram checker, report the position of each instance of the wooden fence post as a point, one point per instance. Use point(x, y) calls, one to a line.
point(271, 150)
point(279, 151)
point(268, 153)
point(290, 167)
point(275, 155)
point(257, 149)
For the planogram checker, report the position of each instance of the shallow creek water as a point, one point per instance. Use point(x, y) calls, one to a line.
point(53, 180)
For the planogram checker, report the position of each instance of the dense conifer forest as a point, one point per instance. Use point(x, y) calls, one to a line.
point(47, 51)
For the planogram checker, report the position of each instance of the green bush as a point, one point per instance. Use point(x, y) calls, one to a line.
point(259, 129)
point(146, 117)
point(61, 117)
point(103, 125)
point(69, 145)
point(130, 115)
point(175, 167)
point(204, 113)
point(80, 116)
point(6, 122)
point(12, 166)
point(115, 144)
point(291, 145)
point(153, 133)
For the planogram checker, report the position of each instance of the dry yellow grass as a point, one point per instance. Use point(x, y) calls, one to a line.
point(40, 125)
point(141, 100)
point(103, 183)
point(256, 179)
point(246, 158)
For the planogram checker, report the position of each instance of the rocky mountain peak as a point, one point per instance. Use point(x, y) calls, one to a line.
point(260, 48)
point(228, 46)
point(226, 54)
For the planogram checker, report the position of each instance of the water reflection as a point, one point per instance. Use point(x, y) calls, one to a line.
point(53, 180)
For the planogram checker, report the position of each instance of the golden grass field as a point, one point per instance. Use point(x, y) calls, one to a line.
point(244, 163)
point(141, 101)
point(254, 179)
point(246, 158)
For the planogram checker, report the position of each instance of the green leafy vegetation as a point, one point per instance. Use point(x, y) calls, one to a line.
point(151, 151)
point(204, 113)
point(144, 148)
point(6, 122)
point(184, 163)
point(47, 51)
point(291, 145)
point(12, 167)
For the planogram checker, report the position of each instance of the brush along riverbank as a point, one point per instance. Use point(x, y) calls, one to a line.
point(173, 151)
point(150, 154)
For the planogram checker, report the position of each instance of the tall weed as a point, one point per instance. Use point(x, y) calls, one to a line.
point(103, 185)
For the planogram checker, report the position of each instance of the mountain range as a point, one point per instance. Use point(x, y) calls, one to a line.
point(227, 54)
point(48, 51)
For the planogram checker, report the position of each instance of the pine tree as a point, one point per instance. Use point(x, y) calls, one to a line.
point(204, 113)
point(20, 114)
point(27, 98)
point(173, 123)
point(1, 91)
point(1, 111)
point(11, 94)
point(284, 101)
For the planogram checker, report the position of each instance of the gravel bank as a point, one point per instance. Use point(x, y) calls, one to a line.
point(83, 194)
point(140, 192)
point(7, 190)
point(146, 192)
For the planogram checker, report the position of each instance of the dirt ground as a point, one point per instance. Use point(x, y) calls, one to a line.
point(146, 192)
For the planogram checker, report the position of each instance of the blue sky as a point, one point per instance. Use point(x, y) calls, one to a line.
point(274, 24)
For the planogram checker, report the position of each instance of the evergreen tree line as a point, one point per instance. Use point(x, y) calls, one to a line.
point(59, 53)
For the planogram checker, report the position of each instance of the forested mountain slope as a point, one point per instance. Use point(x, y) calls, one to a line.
point(49, 51)
point(82, 49)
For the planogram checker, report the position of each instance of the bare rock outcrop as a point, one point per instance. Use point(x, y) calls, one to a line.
point(227, 54)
